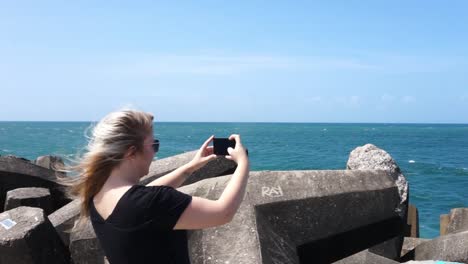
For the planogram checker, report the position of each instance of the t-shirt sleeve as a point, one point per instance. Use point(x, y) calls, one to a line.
point(166, 205)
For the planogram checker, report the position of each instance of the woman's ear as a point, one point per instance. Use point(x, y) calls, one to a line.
point(131, 151)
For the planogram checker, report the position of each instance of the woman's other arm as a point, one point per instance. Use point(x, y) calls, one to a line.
point(203, 213)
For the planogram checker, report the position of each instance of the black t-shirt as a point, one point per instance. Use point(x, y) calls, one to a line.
point(140, 228)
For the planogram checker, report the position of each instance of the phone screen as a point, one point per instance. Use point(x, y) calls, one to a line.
point(220, 145)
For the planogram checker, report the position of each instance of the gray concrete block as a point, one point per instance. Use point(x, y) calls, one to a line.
point(19, 173)
point(365, 257)
point(458, 220)
point(50, 162)
point(410, 243)
point(33, 197)
point(27, 236)
point(431, 262)
point(300, 217)
point(85, 247)
point(444, 220)
point(220, 166)
point(452, 247)
point(412, 222)
point(64, 218)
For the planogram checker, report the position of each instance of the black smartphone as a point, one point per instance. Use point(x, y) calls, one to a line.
point(220, 145)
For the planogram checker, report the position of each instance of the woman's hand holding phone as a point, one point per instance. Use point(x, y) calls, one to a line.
point(203, 156)
point(239, 152)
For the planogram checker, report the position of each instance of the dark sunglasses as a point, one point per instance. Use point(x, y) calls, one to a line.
point(155, 145)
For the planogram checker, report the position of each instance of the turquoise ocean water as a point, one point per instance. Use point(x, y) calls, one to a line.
point(433, 157)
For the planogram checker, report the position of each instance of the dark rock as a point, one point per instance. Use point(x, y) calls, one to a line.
point(300, 217)
point(370, 157)
point(33, 197)
point(31, 240)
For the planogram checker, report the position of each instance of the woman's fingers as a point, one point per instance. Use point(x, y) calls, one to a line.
point(207, 142)
point(209, 151)
point(211, 157)
point(236, 137)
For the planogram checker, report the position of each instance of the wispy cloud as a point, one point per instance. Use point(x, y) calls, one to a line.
point(219, 63)
point(314, 99)
point(407, 99)
point(226, 65)
point(350, 101)
point(387, 98)
point(230, 64)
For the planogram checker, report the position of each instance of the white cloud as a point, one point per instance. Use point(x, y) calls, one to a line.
point(314, 99)
point(387, 98)
point(350, 101)
point(407, 99)
point(355, 100)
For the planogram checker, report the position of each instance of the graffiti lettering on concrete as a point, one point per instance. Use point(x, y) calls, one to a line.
point(272, 191)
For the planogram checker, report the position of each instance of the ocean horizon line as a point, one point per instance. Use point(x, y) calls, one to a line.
point(249, 122)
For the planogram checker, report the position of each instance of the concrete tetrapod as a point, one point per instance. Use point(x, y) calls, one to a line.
point(18, 173)
point(27, 236)
point(300, 217)
point(33, 197)
point(218, 167)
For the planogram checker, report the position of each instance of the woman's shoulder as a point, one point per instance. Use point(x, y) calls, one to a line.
point(133, 205)
point(143, 192)
point(145, 197)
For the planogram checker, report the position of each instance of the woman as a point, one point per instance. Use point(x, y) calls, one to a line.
point(145, 224)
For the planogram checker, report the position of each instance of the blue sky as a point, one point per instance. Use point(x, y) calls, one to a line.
point(247, 61)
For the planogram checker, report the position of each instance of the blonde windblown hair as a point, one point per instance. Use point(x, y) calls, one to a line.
point(107, 145)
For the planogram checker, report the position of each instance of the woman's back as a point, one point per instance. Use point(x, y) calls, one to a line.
point(140, 227)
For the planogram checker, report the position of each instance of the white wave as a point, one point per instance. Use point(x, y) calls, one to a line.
point(71, 131)
point(324, 129)
point(411, 161)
